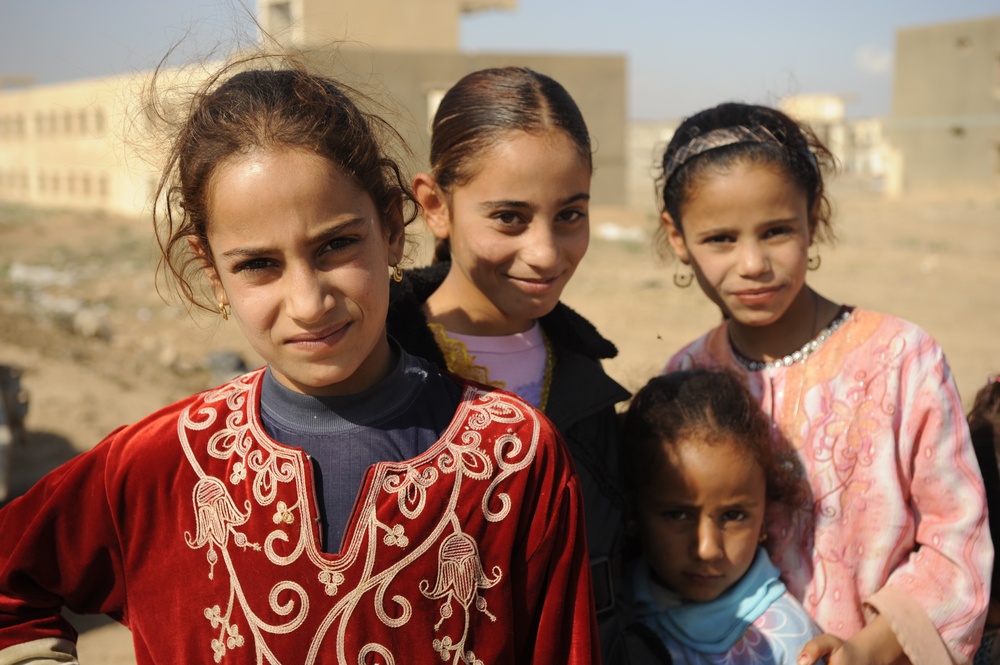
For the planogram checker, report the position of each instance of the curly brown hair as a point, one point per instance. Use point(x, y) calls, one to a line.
point(254, 104)
point(711, 406)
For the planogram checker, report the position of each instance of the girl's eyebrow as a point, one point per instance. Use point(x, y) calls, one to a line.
point(334, 230)
point(510, 203)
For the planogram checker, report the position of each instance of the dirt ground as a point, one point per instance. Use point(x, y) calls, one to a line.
point(99, 348)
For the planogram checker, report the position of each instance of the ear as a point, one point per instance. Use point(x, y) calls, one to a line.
point(814, 221)
point(676, 237)
point(211, 274)
point(433, 205)
point(395, 229)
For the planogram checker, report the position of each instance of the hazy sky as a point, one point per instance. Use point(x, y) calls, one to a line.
point(682, 56)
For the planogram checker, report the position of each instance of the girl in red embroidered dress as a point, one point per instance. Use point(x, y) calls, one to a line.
point(347, 503)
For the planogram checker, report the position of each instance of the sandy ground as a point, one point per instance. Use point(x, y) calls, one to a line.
point(934, 262)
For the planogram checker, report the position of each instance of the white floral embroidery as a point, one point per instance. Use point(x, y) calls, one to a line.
point(263, 474)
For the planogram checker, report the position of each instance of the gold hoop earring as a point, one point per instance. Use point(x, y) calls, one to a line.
point(814, 261)
point(682, 281)
point(397, 273)
point(224, 310)
point(762, 539)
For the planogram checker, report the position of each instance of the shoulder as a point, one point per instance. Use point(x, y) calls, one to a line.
point(710, 350)
point(155, 439)
point(570, 330)
point(886, 341)
point(496, 417)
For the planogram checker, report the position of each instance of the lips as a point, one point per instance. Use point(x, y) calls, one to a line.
point(325, 337)
point(757, 296)
point(535, 285)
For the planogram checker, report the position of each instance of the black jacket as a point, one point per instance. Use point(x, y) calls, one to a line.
point(581, 404)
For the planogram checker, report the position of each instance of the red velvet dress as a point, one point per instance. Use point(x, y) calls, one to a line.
point(200, 533)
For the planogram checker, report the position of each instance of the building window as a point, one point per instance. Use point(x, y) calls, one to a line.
point(83, 121)
point(85, 183)
point(39, 124)
point(99, 121)
point(68, 122)
point(102, 186)
point(964, 45)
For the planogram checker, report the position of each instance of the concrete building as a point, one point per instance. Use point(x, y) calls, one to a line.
point(945, 120)
point(91, 145)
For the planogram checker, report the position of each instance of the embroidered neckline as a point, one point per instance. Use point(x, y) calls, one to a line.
point(801, 355)
point(459, 361)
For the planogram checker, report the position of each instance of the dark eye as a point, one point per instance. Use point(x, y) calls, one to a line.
point(339, 243)
point(719, 238)
point(253, 265)
point(777, 231)
point(734, 516)
point(571, 215)
point(675, 515)
point(508, 217)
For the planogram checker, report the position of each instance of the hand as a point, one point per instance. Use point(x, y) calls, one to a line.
point(875, 644)
point(822, 646)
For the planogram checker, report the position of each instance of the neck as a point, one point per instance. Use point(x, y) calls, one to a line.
point(465, 310)
point(803, 320)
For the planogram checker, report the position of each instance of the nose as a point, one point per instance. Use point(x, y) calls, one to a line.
point(307, 299)
point(710, 547)
point(542, 250)
point(753, 259)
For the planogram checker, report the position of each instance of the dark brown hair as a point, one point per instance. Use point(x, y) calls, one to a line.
point(798, 153)
point(263, 108)
point(711, 407)
point(481, 109)
point(984, 425)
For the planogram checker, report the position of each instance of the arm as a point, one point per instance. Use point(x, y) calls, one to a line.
point(554, 589)
point(58, 547)
point(941, 588)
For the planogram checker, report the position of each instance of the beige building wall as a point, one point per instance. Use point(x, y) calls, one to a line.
point(945, 121)
point(413, 83)
point(75, 146)
point(381, 25)
point(90, 145)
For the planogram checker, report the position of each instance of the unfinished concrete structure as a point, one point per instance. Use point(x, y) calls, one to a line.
point(86, 144)
point(945, 121)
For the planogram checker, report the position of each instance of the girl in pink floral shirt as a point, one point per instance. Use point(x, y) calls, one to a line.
point(891, 554)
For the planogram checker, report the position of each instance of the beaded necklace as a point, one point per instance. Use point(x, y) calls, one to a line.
point(798, 356)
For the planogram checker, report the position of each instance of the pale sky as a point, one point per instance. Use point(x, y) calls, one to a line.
point(682, 56)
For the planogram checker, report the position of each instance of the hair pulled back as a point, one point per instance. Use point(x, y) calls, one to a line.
point(484, 106)
point(710, 407)
point(260, 108)
point(482, 109)
point(797, 152)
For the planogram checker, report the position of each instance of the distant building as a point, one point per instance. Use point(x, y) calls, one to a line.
point(857, 144)
point(86, 144)
point(945, 121)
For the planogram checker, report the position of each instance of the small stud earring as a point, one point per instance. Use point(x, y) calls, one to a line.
point(224, 310)
point(814, 261)
point(682, 281)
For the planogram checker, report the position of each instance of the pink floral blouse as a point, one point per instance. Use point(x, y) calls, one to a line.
point(896, 522)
